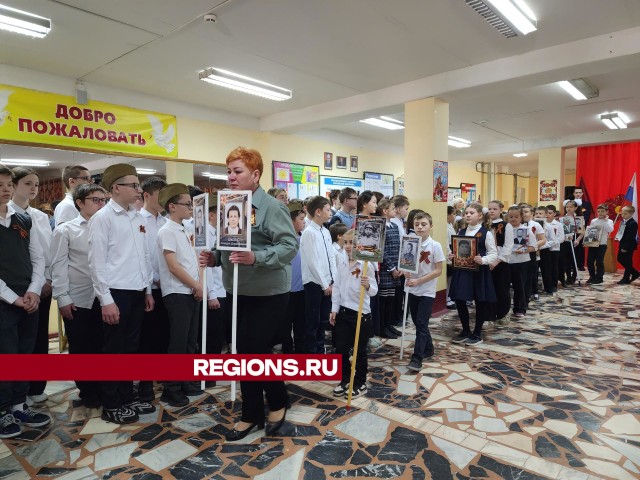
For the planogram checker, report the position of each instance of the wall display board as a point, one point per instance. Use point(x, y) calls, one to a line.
point(469, 192)
point(379, 182)
point(300, 181)
point(328, 183)
point(453, 193)
point(400, 186)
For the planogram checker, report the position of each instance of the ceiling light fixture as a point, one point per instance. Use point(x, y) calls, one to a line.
point(615, 120)
point(215, 176)
point(20, 162)
point(458, 142)
point(506, 15)
point(242, 83)
point(145, 171)
point(520, 155)
point(384, 122)
point(25, 23)
point(579, 88)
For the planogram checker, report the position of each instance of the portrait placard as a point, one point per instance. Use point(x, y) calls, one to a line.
point(464, 251)
point(568, 226)
point(234, 220)
point(592, 236)
point(409, 259)
point(520, 237)
point(369, 239)
point(200, 216)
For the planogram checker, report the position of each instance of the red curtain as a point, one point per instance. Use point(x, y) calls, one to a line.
point(605, 171)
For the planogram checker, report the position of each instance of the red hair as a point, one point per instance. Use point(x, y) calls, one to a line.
point(250, 157)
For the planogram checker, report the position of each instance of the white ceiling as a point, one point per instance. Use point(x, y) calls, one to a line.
point(348, 59)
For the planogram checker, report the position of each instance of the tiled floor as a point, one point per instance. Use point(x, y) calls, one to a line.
point(556, 395)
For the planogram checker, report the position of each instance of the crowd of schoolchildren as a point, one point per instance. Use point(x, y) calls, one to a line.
point(127, 280)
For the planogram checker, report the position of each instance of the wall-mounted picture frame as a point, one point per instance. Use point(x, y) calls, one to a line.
point(409, 258)
point(328, 161)
point(354, 163)
point(369, 240)
point(341, 162)
point(234, 220)
point(464, 251)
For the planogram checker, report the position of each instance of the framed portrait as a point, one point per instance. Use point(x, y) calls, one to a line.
point(409, 258)
point(369, 239)
point(354, 163)
point(328, 161)
point(520, 236)
point(579, 225)
point(464, 251)
point(234, 220)
point(592, 236)
point(200, 216)
point(568, 226)
point(341, 162)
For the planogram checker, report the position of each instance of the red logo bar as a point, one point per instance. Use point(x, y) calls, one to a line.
point(171, 367)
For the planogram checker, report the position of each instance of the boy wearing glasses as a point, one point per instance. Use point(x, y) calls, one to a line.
point(122, 275)
point(180, 283)
point(72, 177)
point(72, 285)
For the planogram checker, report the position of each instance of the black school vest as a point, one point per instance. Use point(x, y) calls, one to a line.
point(15, 260)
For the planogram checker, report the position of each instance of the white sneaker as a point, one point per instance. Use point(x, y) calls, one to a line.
point(374, 342)
point(35, 399)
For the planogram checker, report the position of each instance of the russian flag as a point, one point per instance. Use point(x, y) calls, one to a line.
point(632, 196)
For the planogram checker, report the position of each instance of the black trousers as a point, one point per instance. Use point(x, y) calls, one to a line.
point(580, 255)
point(317, 310)
point(387, 307)
point(399, 303)
point(123, 337)
point(17, 335)
point(294, 321)
point(421, 308)
point(259, 321)
point(519, 273)
point(154, 334)
point(595, 261)
point(84, 332)
point(546, 268)
point(184, 325)
point(345, 332)
point(555, 268)
point(501, 276)
point(42, 341)
point(217, 327)
point(483, 310)
point(567, 265)
point(531, 285)
point(626, 260)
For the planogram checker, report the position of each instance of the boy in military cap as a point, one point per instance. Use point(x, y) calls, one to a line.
point(180, 284)
point(122, 275)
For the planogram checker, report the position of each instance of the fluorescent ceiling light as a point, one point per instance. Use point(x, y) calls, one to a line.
point(384, 122)
point(242, 83)
point(571, 90)
point(458, 142)
point(19, 162)
point(579, 88)
point(145, 171)
point(519, 155)
point(615, 120)
point(506, 15)
point(25, 23)
point(215, 176)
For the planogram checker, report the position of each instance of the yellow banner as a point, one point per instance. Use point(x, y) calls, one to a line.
point(30, 116)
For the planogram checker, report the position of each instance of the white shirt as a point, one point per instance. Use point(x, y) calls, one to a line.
point(153, 224)
point(70, 273)
point(536, 229)
point(346, 290)
point(65, 210)
point(40, 225)
point(607, 228)
point(341, 255)
point(450, 232)
point(400, 224)
point(489, 243)
point(37, 262)
point(531, 242)
point(215, 288)
point(118, 255)
point(558, 234)
point(505, 251)
point(173, 237)
point(317, 256)
point(436, 255)
point(549, 235)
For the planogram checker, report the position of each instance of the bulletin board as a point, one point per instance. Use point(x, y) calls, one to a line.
point(379, 182)
point(300, 181)
point(328, 183)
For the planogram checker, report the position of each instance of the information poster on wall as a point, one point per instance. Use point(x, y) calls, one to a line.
point(379, 182)
point(453, 192)
point(440, 181)
point(300, 181)
point(469, 192)
point(400, 186)
point(328, 183)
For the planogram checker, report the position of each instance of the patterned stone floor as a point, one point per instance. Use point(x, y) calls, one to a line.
point(556, 395)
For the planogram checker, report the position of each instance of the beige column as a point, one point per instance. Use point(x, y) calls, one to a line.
point(551, 167)
point(180, 172)
point(425, 140)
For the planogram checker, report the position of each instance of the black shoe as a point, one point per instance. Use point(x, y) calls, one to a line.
point(141, 408)
point(235, 435)
point(395, 330)
point(461, 338)
point(597, 281)
point(590, 280)
point(192, 389)
point(174, 398)
point(624, 281)
point(120, 415)
point(387, 333)
point(209, 384)
point(634, 276)
point(273, 427)
point(414, 366)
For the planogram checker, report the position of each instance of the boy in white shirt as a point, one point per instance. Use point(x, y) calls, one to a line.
point(554, 249)
point(180, 284)
point(595, 257)
point(545, 250)
point(531, 285)
point(337, 230)
point(345, 300)
point(422, 289)
point(72, 177)
point(318, 273)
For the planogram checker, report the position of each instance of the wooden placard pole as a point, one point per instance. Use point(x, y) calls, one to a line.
point(357, 338)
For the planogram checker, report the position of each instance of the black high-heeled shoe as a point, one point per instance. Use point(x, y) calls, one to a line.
point(273, 427)
point(235, 435)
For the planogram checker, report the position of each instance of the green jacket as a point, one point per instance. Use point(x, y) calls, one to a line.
point(273, 241)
